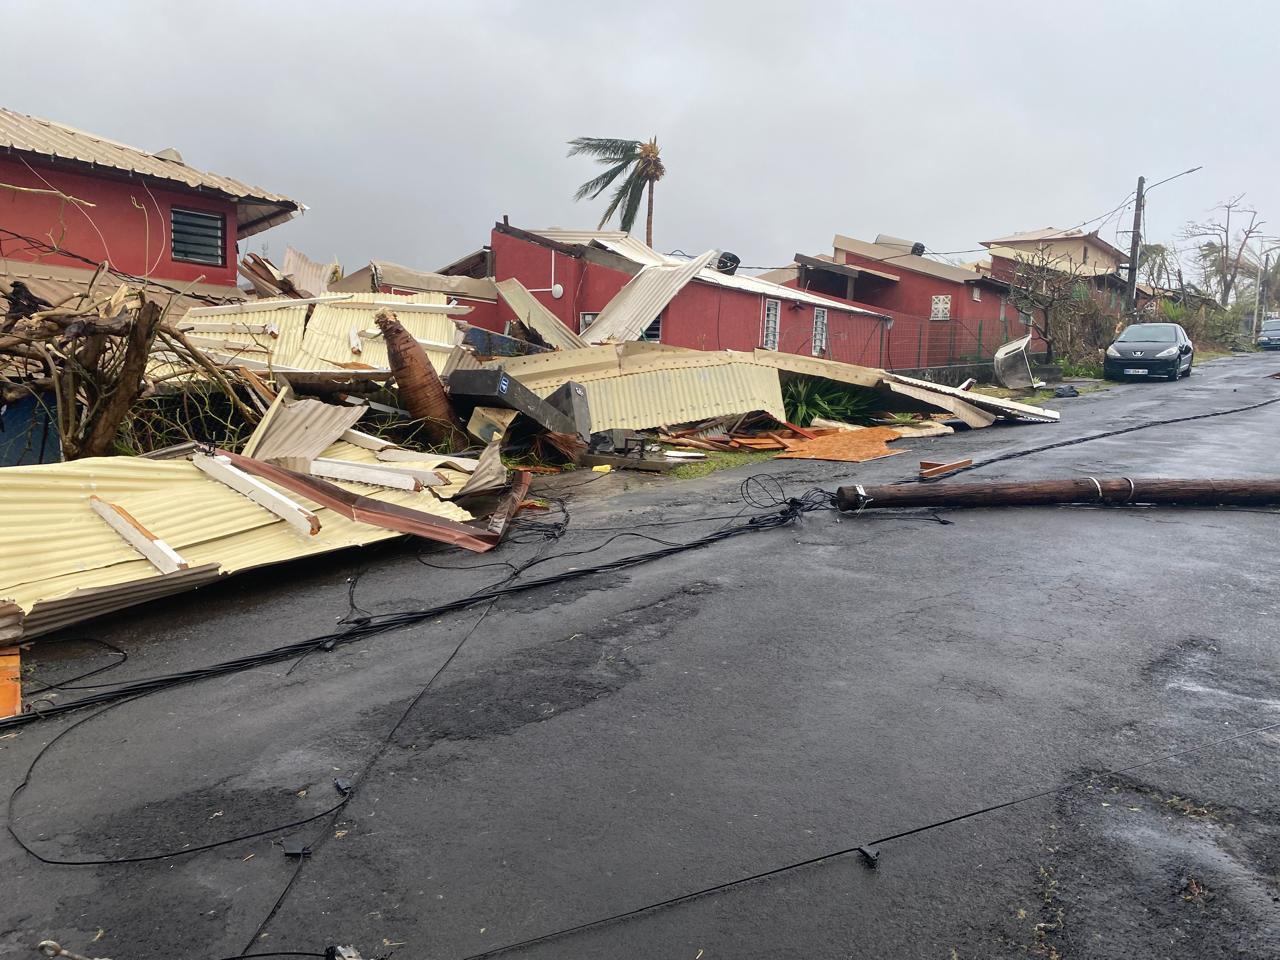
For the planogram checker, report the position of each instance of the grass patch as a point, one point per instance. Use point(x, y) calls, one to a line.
point(719, 461)
point(1204, 354)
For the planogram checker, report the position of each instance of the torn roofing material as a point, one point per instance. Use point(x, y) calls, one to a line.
point(339, 337)
point(644, 297)
point(541, 320)
point(257, 209)
point(83, 568)
point(55, 284)
point(1010, 409)
point(300, 428)
point(637, 251)
point(639, 385)
point(380, 273)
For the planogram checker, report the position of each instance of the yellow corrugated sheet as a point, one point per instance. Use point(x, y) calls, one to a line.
point(323, 342)
point(58, 559)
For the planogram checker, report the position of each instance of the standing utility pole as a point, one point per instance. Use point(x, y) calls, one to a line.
point(1259, 304)
point(1134, 243)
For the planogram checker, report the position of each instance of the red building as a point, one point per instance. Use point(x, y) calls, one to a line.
point(942, 314)
point(70, 200)
point(578, 274)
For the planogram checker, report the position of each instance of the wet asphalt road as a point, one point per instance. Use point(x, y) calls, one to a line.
point(634, 736)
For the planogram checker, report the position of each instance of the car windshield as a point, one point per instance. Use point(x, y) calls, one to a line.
point(1149, 333)
point(1271, 326)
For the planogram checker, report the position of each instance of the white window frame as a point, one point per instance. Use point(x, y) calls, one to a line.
point(819, 339)
point(975, 293)
point(768, 341)
point(586, 319)
point(940, 307)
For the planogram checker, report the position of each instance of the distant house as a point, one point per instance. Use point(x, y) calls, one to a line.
point(942, 313)
point(609, 285)
point(1096, 263)
point(70, 200)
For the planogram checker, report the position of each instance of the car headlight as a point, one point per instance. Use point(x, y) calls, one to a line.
point(1164, 354)
point(1113, 352)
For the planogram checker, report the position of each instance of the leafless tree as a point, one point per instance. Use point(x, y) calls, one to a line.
point(1220, 245)
point(1057, 296)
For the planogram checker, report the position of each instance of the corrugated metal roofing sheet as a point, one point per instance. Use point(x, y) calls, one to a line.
point(527, 308)
point(33, 135)
point(300, 428)
point(638, 385)
point(308, 274)
point(81, 564)
point(323, 343)
point(407, 278)
point(636, 250)
point(54, 284)
point(644, 297)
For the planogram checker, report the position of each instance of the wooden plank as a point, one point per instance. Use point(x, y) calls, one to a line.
point(162, 556)
point(228, 346)
point(933, 468)
point(353, 337)
point(269, 329)
point(10, 682)
point(787, 444)
point(426, 477)
point(291, 512)
point(800, 431)
point(258, 384)
point(260, 306)
point(399, 307)
point(377, 475)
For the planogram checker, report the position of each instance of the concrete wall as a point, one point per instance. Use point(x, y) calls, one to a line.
point(128, 223)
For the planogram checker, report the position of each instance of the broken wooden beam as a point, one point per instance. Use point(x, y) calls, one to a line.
point(10, 682)
point(292, 513)
point(938, 468)
point(162, 556)
point(1116, 491)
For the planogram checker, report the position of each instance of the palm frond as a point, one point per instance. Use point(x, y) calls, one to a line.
point(597, 185)
point(635, 196)
point(618, 197)
point(605, 148)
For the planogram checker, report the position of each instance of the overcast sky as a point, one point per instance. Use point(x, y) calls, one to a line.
point(408, 128)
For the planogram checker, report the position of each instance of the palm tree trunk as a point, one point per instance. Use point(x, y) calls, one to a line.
point(648, 224)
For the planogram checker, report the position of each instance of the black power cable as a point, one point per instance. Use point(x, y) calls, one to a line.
point(859, 848)
point(1017, 454)
point(362, 628)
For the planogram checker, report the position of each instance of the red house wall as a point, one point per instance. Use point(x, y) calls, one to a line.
point(587, 286)
point(702, 316)
point(134, 240)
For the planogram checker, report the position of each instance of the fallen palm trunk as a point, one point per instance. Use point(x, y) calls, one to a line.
point(1121, 490)
point(421, 391)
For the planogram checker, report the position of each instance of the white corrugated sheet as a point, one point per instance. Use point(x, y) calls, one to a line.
point(645, 296)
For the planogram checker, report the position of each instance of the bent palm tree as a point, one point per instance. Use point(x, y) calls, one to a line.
point(620, 156)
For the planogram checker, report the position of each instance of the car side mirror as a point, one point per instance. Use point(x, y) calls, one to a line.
point(1186, 348)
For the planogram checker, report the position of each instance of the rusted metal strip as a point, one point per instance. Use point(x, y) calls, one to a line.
point(364, 509)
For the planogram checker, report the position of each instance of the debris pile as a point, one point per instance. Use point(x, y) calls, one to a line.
point(350, 417)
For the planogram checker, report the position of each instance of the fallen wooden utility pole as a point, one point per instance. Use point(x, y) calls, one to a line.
point(1032, 493)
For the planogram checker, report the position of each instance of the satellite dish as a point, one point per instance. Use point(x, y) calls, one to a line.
point(557, 291)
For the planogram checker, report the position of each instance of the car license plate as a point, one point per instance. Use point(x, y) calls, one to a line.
point(1134, 372)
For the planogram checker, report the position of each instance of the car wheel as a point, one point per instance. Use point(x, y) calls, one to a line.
point(1189, 366)
point(1176, 371)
